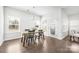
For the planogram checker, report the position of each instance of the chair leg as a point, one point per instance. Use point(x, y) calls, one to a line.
point(78, 38)
point(24, 42)
point(43, 36)
point(26, 39)
point(39, 37)
point(22, 39)
point(35, 38)
point(28, 42)
point(73, 38)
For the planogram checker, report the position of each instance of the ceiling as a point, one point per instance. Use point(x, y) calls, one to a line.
point(43, 10)
point(39, 10)
point(72, 10)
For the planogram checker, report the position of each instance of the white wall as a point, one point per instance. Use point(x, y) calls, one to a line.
point(74, 22)
point(60, 19)
point(10, 12)
point(1, 24)
point(65, 21)
point(26, 21)
point(57, 17)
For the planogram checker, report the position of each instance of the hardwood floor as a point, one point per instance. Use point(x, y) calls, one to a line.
point(49, 45)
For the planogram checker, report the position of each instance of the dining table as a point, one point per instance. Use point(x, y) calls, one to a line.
point(31, 36)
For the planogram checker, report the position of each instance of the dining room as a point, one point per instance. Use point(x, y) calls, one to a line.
point(39, 29)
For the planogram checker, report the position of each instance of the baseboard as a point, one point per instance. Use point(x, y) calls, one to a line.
point(54, 37)
point(1, 43)
point(66, 37)
point(13, 38)
point(60, 38)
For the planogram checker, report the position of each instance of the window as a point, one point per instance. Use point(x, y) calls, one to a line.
point(14, 24)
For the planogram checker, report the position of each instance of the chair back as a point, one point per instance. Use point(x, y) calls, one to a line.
point(31, 33)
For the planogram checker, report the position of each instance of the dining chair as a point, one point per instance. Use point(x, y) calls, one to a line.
point(24, 38)
point(30, 37)
point(41, 34)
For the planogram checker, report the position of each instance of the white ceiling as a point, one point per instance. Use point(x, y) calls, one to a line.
point(42, 10)
point(72, 10)
point(36, 10)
